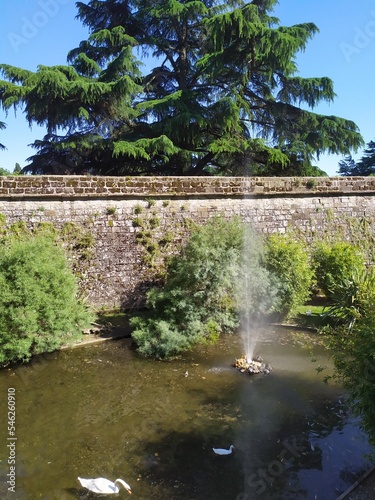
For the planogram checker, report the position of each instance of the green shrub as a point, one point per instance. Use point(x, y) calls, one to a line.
point(353, 298)
point(335, 263)
point(204, 290)
point(353, 353)
point(198, 299)
point(352, 341)
point(39, 310)
point(159, 337)
point(288, 262)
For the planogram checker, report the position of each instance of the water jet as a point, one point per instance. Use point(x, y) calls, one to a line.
point(255, 297)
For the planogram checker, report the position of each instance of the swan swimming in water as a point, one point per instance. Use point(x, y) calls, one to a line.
point(223, 451)
point(103, 486)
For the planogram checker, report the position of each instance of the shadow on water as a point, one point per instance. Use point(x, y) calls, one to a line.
point(104, 411)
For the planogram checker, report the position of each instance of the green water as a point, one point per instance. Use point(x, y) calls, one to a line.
point(103, 411)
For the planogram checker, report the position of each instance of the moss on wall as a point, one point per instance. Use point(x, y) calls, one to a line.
point(119, 230)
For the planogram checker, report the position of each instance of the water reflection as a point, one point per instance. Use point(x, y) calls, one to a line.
point(104, 411)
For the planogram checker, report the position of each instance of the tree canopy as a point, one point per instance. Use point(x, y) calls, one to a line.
point(364, 167)
point(168, 87)
point(2, 127)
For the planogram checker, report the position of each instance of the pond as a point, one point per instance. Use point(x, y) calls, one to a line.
point(103, 411)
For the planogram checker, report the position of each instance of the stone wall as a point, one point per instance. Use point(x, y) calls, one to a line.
point(132, 219)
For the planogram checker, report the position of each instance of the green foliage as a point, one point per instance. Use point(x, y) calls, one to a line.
point(148, 236)
point(18, 229)
point(77, 240)
point(362, 236)
point(198, 298)
point(167, 238)
point(352, 341)
point(138, 209)
point(220, 279)
point(223, 97)
point(138, 222)
point(353, 298)
point(70, 231)
point(17, 168)
point(39, 310)
point(154, 222)
point(47, 229)
point(335, 263)
point(224, 275)
point(363, 167)
point(348, 167)
point(288, 262)
point(353, 352)
point(2, 127)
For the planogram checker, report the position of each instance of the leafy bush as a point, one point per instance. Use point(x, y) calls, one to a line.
point(198, 298)
point(353, 353)
point(226, 272)
point(352, 341)
point(289, 265)
point(39, 310)
point(335, 263)
point(205, 290)
point(353, 298)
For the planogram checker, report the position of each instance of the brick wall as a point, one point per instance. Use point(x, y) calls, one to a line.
point(118, 211)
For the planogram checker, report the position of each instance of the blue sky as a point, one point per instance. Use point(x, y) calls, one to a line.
point(36, 32)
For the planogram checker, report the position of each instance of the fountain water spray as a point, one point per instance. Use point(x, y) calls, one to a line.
point(250, 283)
point(254, 295)
point(249, 331)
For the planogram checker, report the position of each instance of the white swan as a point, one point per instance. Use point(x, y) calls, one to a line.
point(103, 486)
point(223, 451)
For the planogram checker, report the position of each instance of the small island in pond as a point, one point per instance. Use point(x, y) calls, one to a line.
point(252, 366)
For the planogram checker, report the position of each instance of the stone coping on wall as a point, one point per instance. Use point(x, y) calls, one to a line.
point(67, 187)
